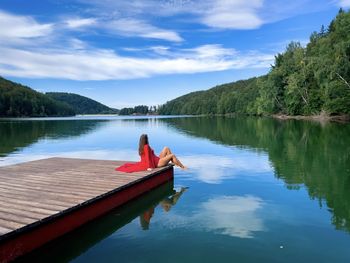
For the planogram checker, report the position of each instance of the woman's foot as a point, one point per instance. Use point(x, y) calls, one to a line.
point(183, 167)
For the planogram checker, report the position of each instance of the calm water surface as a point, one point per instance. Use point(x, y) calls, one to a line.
point(258, 190)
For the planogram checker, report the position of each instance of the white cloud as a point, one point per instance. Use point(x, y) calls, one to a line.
point(16, 27)
point(130, 27)
point(344, 3)
point(75, 23)
point(162, 50)
point(219, 14)
point(207, 51)
point(21, 27)
point(35, 50)
point(100, 64)
point(224, 14)
point(135, 27)
point(239, 14)
point(75, 43)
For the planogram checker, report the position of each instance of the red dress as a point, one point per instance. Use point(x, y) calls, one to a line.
point(148, 160)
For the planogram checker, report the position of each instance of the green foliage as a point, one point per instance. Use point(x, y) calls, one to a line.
point(20, 101)
point(139, 110)
point(302, 81)
point(81, 104)
point(228, 98)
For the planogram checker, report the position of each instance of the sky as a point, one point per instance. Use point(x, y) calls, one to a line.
point(146, 52)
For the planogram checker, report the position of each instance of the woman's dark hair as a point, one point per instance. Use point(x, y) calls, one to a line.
point(143, 142)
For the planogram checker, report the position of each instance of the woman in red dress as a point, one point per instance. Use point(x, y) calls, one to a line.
point(149, 160)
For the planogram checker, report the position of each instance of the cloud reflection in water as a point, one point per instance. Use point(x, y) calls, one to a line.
point(235, 216)
point(213, 169)
point(232, 215)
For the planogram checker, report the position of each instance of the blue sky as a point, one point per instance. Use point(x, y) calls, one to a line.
point(126, 53)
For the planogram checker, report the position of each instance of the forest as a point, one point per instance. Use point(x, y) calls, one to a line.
point(17, 100)
point(306, 81)
point(81, 104)
point(138, 110)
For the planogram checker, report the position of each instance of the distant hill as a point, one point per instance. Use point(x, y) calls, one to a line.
point(81, 104)
point(311, 80)
point(17, 100)
point(234, 97)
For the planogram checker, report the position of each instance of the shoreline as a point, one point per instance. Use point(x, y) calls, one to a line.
point(320, 117)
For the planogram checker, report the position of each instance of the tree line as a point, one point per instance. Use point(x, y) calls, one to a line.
point(17, 100)
point(138, 110)
point(81, 104)
point(303, 81)
point(20, 101)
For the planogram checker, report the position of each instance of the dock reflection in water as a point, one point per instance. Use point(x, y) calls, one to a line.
point(79, 241)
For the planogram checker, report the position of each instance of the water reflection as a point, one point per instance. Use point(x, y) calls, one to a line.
point(221, 218)
point(79, 241)
point(235, 216)
point(301, 153)
point(167, 203)
point(230, 215)
point(214, 169)
point(15, 135)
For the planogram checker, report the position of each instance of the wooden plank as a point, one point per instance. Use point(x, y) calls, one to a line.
point(101, 180)
point(79, 175)
point(25, 213)
point(10, 225)
point(40, 207)
point(51, 188)
point(44, 165)
point(60, 183)
point(42, 196)
point(17, 219)
point(37, 192)
point(4, 230)
point(55, 188)
point(87, 179)
point(48, 190)
point(71, 182)
point(31, 206)
point(52, 202)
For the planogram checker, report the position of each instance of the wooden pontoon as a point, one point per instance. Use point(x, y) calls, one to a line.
point(44, 199)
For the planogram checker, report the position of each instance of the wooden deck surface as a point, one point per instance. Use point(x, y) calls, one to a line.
point(33, 191)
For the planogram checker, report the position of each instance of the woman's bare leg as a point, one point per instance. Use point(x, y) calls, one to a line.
point(170, 157)
point(166, 151)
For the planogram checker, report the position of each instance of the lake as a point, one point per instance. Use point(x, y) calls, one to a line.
point(257, 189)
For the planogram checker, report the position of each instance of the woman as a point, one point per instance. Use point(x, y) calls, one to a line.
point(149, 160)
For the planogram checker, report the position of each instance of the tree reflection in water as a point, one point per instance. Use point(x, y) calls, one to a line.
point(302, 153)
